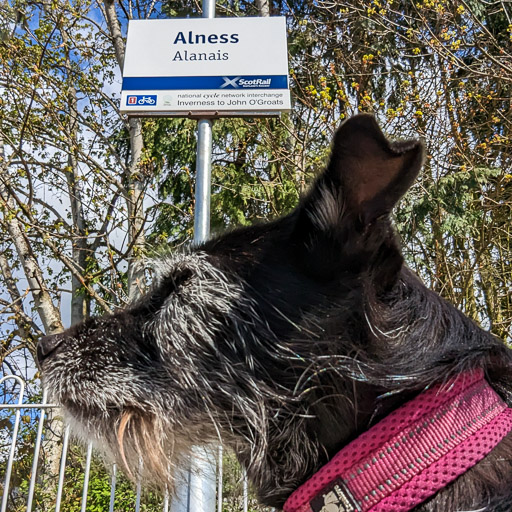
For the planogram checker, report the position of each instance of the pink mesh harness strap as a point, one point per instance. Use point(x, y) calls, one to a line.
point(412, 453)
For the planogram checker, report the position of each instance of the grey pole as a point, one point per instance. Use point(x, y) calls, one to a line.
point(203, 181)
point(196, 490)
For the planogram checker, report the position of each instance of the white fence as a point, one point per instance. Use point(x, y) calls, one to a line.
point(33, 417)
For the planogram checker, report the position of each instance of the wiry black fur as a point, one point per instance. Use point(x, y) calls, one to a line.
point(287, 340)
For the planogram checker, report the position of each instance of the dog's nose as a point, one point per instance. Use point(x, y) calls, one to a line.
point(47, 345)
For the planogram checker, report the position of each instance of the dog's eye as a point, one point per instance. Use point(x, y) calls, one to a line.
point(178, 278)
point(167, 286)
point(173, 282)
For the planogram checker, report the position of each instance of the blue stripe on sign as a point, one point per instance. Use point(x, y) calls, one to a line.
point(161, 83)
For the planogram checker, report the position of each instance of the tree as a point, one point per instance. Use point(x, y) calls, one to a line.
point(70, 182)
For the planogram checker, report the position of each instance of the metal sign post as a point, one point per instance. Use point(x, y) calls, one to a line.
point(204, 163)
point(203, 179)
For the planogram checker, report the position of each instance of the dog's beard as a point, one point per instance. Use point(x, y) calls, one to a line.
point(147, 447)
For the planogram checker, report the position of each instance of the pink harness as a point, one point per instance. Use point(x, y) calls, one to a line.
point(412, 453)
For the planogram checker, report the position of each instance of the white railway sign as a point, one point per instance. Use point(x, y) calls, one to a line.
point(206, 67)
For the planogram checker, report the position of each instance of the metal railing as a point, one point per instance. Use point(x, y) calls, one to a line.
point(8, 457)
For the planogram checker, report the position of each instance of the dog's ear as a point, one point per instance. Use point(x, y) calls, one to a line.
point(366, 175)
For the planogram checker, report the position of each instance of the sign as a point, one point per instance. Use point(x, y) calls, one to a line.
point(208, 67)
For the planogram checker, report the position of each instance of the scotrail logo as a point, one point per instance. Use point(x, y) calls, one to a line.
point(148, 99)
point(253, 83)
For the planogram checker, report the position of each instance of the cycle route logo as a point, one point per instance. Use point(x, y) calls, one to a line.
point(144, 99)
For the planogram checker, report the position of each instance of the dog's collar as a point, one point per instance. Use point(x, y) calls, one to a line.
point(412, 453)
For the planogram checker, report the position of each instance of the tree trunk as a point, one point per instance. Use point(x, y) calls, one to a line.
point(49, 314)
point(80, 304)
point(135, 198)
point(263, 7)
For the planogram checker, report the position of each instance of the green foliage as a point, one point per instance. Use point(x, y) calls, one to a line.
point(232, 488)
point(98, 496)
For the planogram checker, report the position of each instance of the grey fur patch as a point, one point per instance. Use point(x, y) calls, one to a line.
point(326, 214)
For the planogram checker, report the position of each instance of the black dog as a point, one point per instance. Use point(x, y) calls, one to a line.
point(283, 341)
